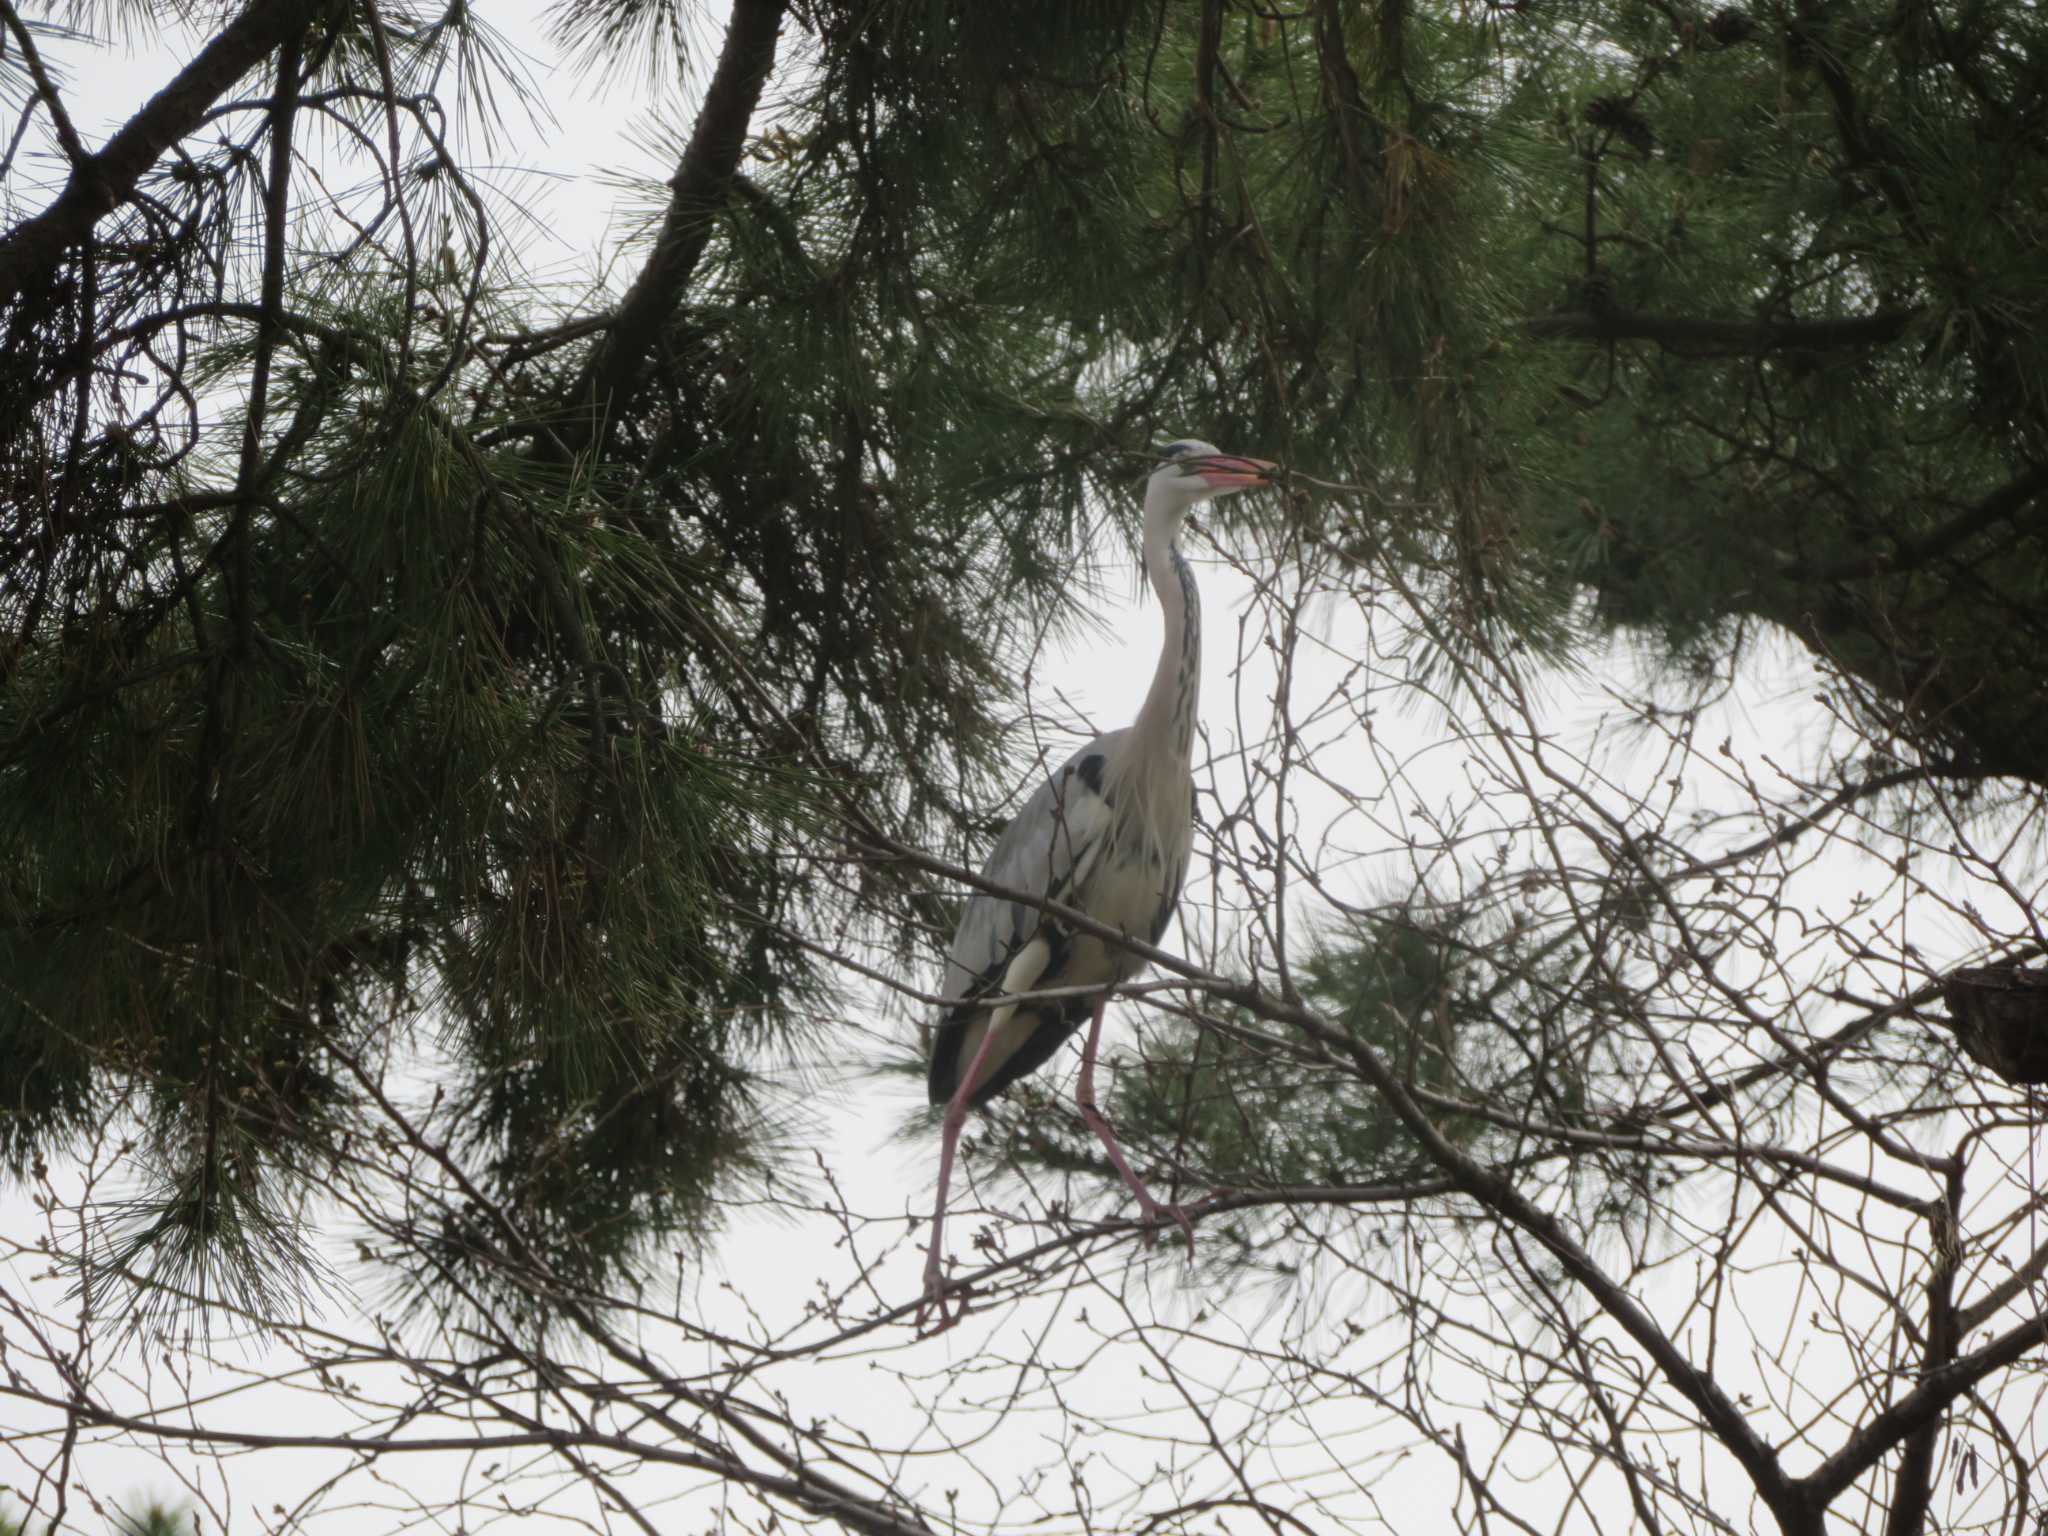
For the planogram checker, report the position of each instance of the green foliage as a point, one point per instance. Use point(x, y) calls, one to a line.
point(156, 1518)
point(408, 736)
point(451, 700)
point(1718, 316)
point(410, 747)
point(1479, 1018)
point(152, 1518)
point(1262, 1115)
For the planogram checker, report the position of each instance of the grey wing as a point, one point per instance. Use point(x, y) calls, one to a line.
point(1049, 847)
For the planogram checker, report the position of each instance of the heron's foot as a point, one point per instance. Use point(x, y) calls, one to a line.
point(1154, 1215)
point(933, 1303)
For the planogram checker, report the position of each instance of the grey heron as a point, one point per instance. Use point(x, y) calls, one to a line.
point(1109, 834)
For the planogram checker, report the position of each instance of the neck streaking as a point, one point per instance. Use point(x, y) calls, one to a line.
point(1166, 721)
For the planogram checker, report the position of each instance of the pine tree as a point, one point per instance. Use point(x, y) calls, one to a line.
point(403, 658)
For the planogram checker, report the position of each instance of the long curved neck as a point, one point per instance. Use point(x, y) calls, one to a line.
point(1166, 720)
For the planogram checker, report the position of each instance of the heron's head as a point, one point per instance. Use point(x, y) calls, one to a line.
point(1191, 471)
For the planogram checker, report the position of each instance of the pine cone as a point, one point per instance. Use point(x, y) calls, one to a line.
point(1729, 26)
point(1616, 115)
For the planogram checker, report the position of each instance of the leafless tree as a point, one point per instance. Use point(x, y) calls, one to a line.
point(1695, 1216)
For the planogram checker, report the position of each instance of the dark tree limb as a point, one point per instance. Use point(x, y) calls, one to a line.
point(1869, 146)
point(1687, 335)
point(269, 328)
point(702, 185)
point(46, 87)
point(1924, 1404)
point(1345, 99)
point(102, 181)
point(1913, 1488)
point(1978, 713)
point(1797, 1505)
point(1981, 1311)
point(2003, 504)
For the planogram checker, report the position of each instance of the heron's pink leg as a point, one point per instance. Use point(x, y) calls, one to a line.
point(949, 1138)
point(1149, 1209)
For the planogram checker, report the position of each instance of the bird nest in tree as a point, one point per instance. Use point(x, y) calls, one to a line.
point(2000, 1014)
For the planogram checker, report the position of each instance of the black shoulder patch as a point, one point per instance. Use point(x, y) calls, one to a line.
point(1090, 769)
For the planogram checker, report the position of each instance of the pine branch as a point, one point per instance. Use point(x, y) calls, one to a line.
point(2002, 505)
point(102, 182)
point(1344, 99)
point(1689, 336)
point(701, 185)
point(46, 87)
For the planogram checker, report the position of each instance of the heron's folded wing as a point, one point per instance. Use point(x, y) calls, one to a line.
point(1049, 849)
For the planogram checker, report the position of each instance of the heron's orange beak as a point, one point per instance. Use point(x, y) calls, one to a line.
point(1227, 470)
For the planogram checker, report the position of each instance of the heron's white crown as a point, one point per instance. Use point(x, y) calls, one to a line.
point(1191, 470)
